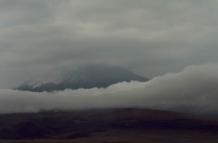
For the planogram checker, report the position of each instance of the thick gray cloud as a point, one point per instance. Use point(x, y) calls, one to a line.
point(146, 36)
point(194, 88)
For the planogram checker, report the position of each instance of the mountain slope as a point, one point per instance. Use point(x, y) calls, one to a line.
point(87, 123)
point(86, 77)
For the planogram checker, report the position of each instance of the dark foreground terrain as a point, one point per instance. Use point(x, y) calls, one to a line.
point(107, 126)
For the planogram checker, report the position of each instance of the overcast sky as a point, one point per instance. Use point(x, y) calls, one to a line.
point(149, 37)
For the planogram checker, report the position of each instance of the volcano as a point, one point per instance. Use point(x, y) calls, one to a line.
point(84, 77)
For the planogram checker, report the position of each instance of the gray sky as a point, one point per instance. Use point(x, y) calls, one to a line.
point(150, 37)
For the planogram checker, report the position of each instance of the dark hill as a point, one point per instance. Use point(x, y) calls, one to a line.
point(87, 123)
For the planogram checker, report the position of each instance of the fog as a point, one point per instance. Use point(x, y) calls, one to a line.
point(145, 36)
point(194, 88)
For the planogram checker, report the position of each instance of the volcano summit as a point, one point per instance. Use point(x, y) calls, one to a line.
point(85, 77)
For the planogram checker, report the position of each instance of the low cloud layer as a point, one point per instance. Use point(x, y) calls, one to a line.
point(193, 90)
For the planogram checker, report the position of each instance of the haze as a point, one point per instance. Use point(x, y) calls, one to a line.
point(171, 42)
point(148, 37)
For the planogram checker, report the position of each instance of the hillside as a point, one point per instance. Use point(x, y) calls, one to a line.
point(97, 124)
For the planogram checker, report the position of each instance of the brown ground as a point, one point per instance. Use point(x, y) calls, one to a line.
point(107, 126)
point(146, 136)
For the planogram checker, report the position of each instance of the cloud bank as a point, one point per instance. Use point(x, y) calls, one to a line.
point(192, 90)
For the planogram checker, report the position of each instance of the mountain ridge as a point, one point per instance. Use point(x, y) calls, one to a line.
point(87, 123)
point(85, 77)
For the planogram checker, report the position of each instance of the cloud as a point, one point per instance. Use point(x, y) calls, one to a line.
point(148, 37)
point(192, 90)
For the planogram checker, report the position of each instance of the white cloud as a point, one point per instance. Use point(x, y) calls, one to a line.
point(194, 88)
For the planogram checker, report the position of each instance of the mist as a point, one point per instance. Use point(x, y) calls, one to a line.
point(148, 37)
point(194, 88)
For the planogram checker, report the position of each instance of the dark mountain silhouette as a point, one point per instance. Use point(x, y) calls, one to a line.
point(86, 77)
point(88, 123)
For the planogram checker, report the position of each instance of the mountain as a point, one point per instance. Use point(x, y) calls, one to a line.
point(86, 77)
point(120, 125)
